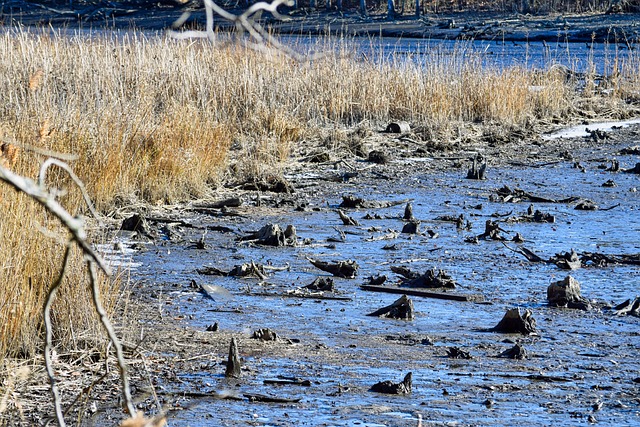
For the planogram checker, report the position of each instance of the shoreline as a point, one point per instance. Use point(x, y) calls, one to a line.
point(623, 28)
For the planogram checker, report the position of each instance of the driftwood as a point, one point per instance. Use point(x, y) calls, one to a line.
point(389, 387)
point(346, 219)
point(507, 195)
point(405, 272)
point(256, 397)
point(421, 293)
point(572, 260)
point(628, 308)
point(566, 293)
point(299, 293)
point(635, 169)
point(532, 216)
point(401, 309)
point(515, 322)
point(586, 205)
point(233, 369)
point(346, 269)
point(353, 202)
point(244, 270)
point(376, 280)
point(288, 381)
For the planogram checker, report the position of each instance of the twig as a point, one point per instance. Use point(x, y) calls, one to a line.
point(49, 336)
point(106, 323)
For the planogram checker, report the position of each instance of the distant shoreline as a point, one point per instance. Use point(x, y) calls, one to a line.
point(579, 28)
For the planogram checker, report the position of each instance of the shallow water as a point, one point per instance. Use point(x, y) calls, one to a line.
point(335, 345)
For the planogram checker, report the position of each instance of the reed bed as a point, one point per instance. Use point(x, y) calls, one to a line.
point(160, 120)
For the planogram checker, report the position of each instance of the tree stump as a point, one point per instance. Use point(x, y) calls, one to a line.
point(233, 361)
point(515, 352)
point(408, 212)
point(566, 293)
point(514, 322)
point(478, 167)
point(401, 309)
point(389, 387)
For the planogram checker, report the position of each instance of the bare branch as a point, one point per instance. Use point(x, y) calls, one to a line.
point(49, 336)
point(106, 323)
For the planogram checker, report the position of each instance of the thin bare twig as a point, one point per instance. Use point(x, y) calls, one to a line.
point(49, 336)
point(106, 323)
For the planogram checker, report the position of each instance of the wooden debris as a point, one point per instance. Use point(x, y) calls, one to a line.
point(376, 280)
point(567, 260)
point(401, 309)
point(206, 207)
point(255, 397)
point(281, 380)
point(398, 127)
point(491, 231)
point(566, 293)
point(628, 308)
point(265, 334)
point(378, 157)
point(586, 205)
point(515, 322)
point(458, 353)
point(408, 212)
point(507, 195)
point(431, 279)
point(423, 293)
point(478, 167)
point(274, 184)
point(389, 387)
point(635, 169)
point(346, 269)
point(138, 224)
point(233, 361)
point(411, 227)
point(515, 352)
point(273, 235)
point(325, 284)
point(353, 202)
point(347, 220)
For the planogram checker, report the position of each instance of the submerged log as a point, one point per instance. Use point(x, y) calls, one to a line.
point(233, 361)
point(389, 387)
point(401, 309)
point(566, 293)
point(256, 397)
point(273, 235)
point(422, 293)
point(346, 269)
point(514, 322)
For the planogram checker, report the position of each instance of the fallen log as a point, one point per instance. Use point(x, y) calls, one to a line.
point(422, 293)
point(256, 397)
point(389, 387)
point(345, 269)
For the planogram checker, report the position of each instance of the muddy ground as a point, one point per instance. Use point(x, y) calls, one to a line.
point(580, 366)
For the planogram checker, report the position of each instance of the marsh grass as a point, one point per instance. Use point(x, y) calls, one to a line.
point(159, 120)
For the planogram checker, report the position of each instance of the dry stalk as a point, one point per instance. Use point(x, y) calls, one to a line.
point(75, 226)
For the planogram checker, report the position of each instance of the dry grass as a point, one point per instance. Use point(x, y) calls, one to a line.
point(155, 120)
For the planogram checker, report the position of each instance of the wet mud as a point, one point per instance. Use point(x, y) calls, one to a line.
point(324, 353)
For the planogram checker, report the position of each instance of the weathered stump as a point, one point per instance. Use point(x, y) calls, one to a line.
point(345, 269)
point(515, 352)
point(478, 167)
point(401, 309)
point(265, 334)
point(628, 308)
point(346, 219)
point(411, 227)
point(389, 387)
point(233, 361)
point(566, 293)
point(408, 212)
point(322, 284)
point(432, 279)
point(568, 260)
point(514, 322)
